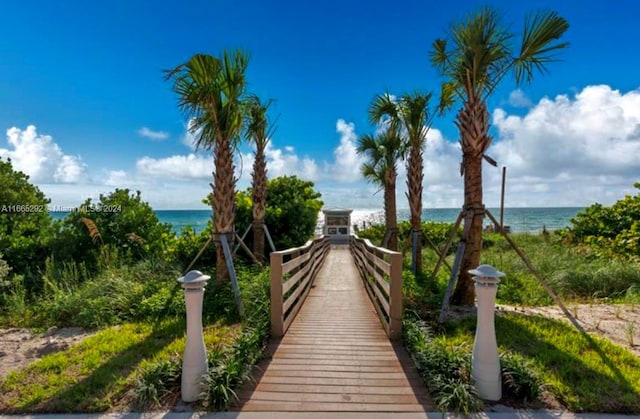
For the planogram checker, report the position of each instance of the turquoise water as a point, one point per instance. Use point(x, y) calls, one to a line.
point(519, 219)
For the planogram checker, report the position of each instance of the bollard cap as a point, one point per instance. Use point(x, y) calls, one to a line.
point(194, 279)
point(487, 271)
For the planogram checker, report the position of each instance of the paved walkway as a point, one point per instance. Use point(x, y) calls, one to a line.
point(336, 356)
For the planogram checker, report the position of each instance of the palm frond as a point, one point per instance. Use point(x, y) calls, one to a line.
point(383, 108)
point(538, 47)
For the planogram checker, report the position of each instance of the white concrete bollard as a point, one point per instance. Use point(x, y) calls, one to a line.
point(194, 361)
point(485, 363)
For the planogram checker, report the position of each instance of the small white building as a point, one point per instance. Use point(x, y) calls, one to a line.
point(337, 224)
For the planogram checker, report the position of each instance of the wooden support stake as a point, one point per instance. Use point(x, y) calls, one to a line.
point(452, 235)
point(535, 273)
point(232, 274)
point(456, 265)
point(199, 254)
point(266, 231)
point(241, 240)
point(249, 252)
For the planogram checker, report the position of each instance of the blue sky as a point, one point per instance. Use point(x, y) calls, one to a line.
point(86, 109)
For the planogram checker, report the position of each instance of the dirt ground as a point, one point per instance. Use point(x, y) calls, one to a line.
point(19, 347)
point(618, 323)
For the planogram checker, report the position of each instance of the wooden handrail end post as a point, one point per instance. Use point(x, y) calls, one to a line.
point(277, 315)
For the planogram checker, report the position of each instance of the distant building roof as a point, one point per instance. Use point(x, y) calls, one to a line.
point(337, 211)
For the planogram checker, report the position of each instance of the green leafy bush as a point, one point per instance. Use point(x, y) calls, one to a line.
point(120, 219)
point(435, 233)
point(291, 212)
point(445, 365)
point(612, 231)
point(25, 225)
point(182, 249)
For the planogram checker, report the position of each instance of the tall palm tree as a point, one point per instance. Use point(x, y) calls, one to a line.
point(410, 117)
point(382, 153)
point(475, 58)
point(210, 92)
point(258, 132)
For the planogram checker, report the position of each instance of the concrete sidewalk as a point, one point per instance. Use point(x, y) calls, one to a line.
point(328, 415)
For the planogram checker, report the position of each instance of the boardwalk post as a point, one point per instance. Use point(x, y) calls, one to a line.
point(277, 315)
point(395, 297)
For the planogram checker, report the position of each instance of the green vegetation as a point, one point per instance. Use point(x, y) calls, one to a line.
point(25, 224)
point(538, 356)
point(608, 231)
point(292, 208)
point(120, 219)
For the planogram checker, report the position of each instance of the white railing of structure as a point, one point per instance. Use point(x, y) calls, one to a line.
point(292, 274)
point(381, 272)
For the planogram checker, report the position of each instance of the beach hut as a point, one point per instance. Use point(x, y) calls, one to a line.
point(337, 225)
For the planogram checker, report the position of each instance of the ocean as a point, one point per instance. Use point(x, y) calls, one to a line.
point(530, 220)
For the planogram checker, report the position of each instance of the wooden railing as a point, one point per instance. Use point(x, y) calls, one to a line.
point(381, 271)
point(292, 273)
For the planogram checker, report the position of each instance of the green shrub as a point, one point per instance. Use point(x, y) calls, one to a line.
point(157, 383)
point(182, 249)
point(613, 231)
point(120, 219)
point(519, 381)
point(291, 212)
point(26, 227)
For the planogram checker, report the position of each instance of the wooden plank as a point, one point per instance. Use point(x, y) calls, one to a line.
point(294, 263)
point(335, 356)
point(271, 406)
point(328, 389)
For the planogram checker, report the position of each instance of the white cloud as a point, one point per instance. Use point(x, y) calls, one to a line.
point(347, 162)
point(190, 138)
point(41, 158)
point(153, 135)
point(571, 151)
point(287, 162)
point(519, 99)
point(117, 178)
point(191, 166)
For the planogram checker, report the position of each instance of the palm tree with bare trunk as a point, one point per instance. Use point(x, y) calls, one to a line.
point(409, 117)
point(475, 57)
point(258, 133)
point(382, 153)
point(211, 93)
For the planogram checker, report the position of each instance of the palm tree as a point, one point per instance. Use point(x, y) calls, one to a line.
point(410, 117)
point(475, 58)
point(382, 153)
point(210, 92)
point(258, 132)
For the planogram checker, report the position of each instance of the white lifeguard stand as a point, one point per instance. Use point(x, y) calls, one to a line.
point(337, 225)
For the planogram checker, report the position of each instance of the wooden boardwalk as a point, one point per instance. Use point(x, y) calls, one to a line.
point(336, 355)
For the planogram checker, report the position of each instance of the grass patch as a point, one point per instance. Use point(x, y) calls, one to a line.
point(584, 373)
point(97, 374)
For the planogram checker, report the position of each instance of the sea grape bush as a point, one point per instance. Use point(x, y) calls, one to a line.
point(610, 231)
point(291, 213)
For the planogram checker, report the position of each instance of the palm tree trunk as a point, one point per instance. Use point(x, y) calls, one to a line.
point(391, 210)
point(415, 176)
point(223, 202)
point(473, 123)
point(259, 203)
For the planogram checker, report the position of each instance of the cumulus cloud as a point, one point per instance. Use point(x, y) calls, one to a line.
point(518, 99)
point(346, 164)
point(286, 162)
point(191, 166)
point(572, 150)
point(41, 158)
point(153, 135)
